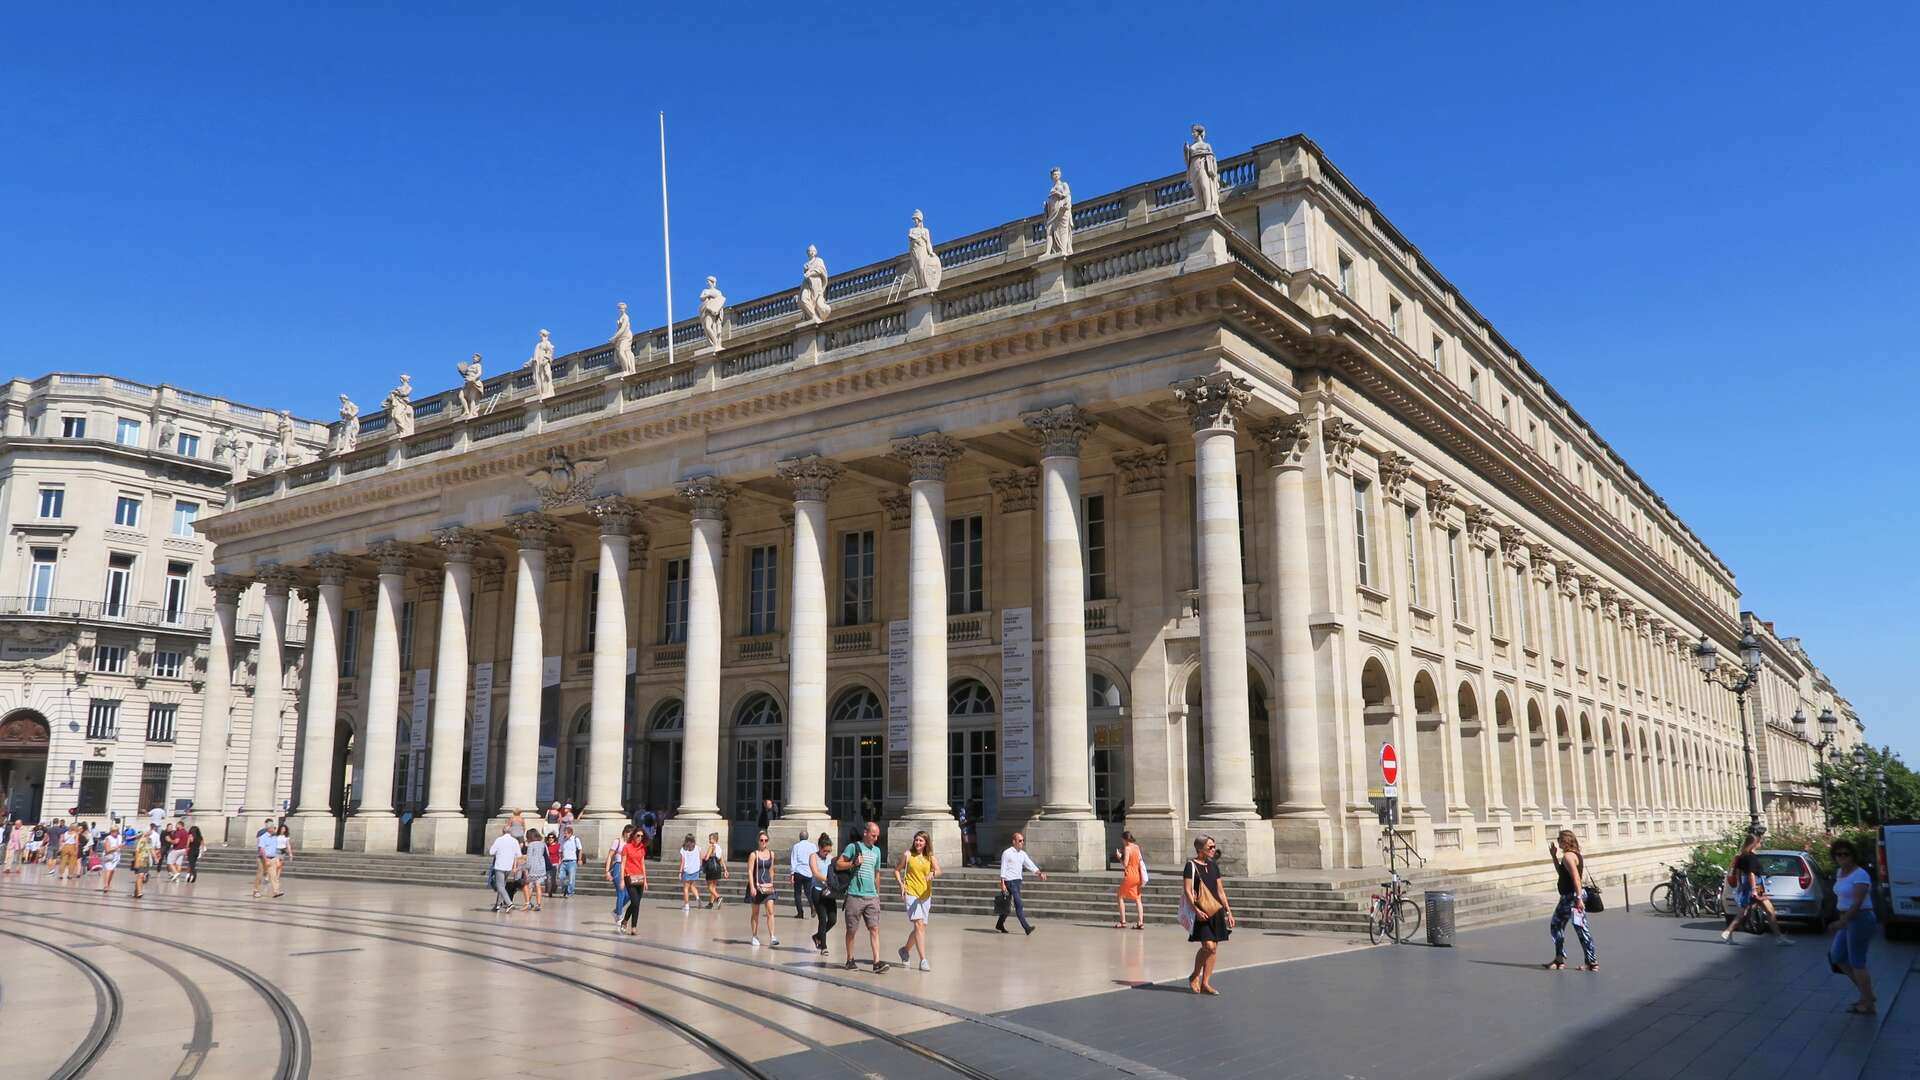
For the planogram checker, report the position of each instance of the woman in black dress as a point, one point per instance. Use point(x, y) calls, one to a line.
point(1212, 914)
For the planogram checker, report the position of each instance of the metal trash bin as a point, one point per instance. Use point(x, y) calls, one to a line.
point(1440, 919)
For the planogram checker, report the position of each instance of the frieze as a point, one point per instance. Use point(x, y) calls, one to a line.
point(1142, 471)
point(1016, 490)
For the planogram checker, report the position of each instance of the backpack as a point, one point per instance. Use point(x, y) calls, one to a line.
point(838, 880)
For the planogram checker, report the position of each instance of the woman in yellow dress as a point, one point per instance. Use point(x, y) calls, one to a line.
point(1133, 875)
point(915, 873)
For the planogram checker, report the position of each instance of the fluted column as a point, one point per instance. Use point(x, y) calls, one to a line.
point(313, 820)
point(805, 811)
point(374, 827)
point(216, 709)
point(263, 741)
point(445, 822)
point(1287, 442)
point(607, 737)
point(699, 811)
point(520, 771)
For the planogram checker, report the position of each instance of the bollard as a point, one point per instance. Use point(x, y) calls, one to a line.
point(1440, 919)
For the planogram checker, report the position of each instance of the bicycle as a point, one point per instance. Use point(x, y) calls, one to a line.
point(1672, 896)
point(1391, 914)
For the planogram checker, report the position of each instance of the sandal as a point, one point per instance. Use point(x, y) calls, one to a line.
point(1557, 965)
point(1590, 967)
point(1193, 984)
point(1860, 1008)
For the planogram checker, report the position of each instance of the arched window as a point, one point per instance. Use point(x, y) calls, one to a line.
point(759, 760)
point(1101, 692)
point(668, 716)
point(758, 710)
point(856, 755)
point(856, 706)
point(973, 749)
point(970, 697)
point(666, 725)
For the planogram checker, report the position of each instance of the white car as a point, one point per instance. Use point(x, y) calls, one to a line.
point(1900, 876)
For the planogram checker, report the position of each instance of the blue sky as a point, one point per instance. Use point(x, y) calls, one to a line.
point(1700, 227)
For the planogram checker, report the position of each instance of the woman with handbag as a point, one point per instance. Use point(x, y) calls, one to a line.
point(1205, 911)
point(1570, 866)
point(826, 910)
point(713, 867)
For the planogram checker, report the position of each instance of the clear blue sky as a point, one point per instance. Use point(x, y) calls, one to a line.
point(1701, 228)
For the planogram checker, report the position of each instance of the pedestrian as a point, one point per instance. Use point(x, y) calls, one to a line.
point(1853, 929)
point(689, 874)
point(1570, 868)
point(156, 817)
point(177, 853)
point(1749, 888)
point(1133, 874)
point(713, 867)
point(569, 862)
point(142, 862)
point(195, 842)
point(633, 872)
point(826, 907)
point(800, 865)
point(553, 816)
point(767, 815)
point(914, 873)
point(616, 855)
point(517, 824)
point(553, 862)
point(264, 847)
point(1014, 866)
point(109, 859)
point(282, 855)
point(760, 892)
point(1211, 917)
point(536, 868)
point(566, 819)
point(70, 852)
point(17, 834)
point(650, 824)
point(505, 852)
point(862, 858)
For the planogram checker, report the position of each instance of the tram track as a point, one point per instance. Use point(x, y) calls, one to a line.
point(107, 1009)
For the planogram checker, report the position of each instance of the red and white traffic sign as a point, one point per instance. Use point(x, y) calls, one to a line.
point(1389, 767)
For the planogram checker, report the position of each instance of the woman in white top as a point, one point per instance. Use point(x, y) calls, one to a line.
point(109, 858)
point(689, 874)
point(1853, 930)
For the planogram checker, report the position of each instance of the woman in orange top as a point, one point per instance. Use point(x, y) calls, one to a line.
point(633, 871)
point(1134, 875)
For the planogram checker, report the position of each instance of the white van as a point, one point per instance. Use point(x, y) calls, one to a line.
point(1900, 876)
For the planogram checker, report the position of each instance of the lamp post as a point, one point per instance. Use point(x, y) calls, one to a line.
point(1880, 793)
point(1861, 776)
point(1708, 658)
point(1829, 724)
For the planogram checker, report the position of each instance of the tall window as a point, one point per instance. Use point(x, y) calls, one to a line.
point(160, 722)
point(763, 589)
point(96, 778)
point(590, 628)
point(1094, 515)
point(40, 579)
point(126, 512)
point(1395, 316)
point(1492, 569)
point(1413, 555)
point(966, 564)
point(184, 515)
point(52, 501)
point(73, 427)
point(188, 445)
point(673, 614)
point(1520, 614)
point(179, 581)
point(126, 432)
point(168, 665)
point(1473, 384)
point(1453, 570)
point(1346, 274)
point(349, 644)
point(1506, 410)
point(1438, 352)
point(1363, 563)
point(406, 633)
point(110, 659)
point(103, 719)
point(119, 585)
point(856, 578)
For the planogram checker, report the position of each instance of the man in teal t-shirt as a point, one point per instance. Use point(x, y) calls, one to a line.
point(862, 856)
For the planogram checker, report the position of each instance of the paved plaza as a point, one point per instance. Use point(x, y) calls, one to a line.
point(346, 980)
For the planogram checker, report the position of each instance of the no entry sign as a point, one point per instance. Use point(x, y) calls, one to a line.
point(1390, 768)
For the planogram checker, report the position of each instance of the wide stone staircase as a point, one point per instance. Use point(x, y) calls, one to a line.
point(1292, 901)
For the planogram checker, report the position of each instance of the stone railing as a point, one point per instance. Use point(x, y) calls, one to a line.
point(970, 628)
point(667, 657)
point(151, 615)
point(852, 639)
point(1103, 616)
point(759, 649)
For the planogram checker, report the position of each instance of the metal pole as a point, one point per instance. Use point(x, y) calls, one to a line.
point(1746, 747)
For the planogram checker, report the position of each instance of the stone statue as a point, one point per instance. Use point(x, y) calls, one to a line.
point(923, 263)
point(1203, 172)
point(813, 286)
point(623, 343)
point(284, 431)
point(472, 388)
point(542, 364)
point(347, 435)
point(399, 406)
point(233, 450)
point(167, 431)
point(713, 307)
point(1059, 218)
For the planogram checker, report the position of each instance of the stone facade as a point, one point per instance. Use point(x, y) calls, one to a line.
point(1170, 528)
point(104, 604)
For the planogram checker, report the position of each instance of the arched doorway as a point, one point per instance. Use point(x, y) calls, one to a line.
point(1259, 739)
point(1473, 758)
point(1107, 752)
point(856, 756)
point(666, 734)
point(1563, 742)
point(1430, 743)
point(1376, 715)
point(1540, 743)
point(576, 757)
point(759, 763)
point(1590, 766)
point(973, 755)
point(1515, 759)
point(23, 763)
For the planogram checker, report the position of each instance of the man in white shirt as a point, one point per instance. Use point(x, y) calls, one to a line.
point(265, 848)
point(800, 865)
point(1014, 865)
point(505, 852)
point(570, 852)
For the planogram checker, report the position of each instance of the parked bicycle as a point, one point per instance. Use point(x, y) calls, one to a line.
point(1688, 897)
point(1390, 913)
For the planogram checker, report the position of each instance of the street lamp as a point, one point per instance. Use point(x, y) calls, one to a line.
point(1708, 658)
point(1880, 792)
point(1829, 724)
point(1861, 776)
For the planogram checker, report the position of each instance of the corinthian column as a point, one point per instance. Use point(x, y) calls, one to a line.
point(216, 709)
point(373, 827)
point(699, 811)
point(263, 741)
point(805, 811)
point(312, 820)
point(1214, 403)
point(927, 458)
point(445, 821)
point(1065, 834)
point(521, 769)
point(606, 740)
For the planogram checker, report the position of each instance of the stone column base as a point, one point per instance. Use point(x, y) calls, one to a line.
point(1303, 840)
point(942, 829)
point(212, 826)
point(371, 832)
point(1161, 836)
point(440, 834)
point(245, 825)
point(1246, 844)
point(312, 832)
point(595, 833)
point(784, 832)
point(1067, 844)
point(674, 830)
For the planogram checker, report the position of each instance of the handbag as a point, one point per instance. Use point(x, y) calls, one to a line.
point(1002, 904)
point(1590, 893)
point(1205, 904)
point(713, 868)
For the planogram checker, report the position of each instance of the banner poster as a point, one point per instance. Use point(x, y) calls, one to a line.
point(543, 781)
point(482, 725)
point(899, 695)
point(422, 691)
point(1016, 702)
point(549, 671)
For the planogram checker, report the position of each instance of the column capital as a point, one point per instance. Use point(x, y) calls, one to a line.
point(560, 562)
point(708, 494)
point(1016, 489)
point(1339, 438)
point(331, 568)
point(1213, 402)
point(614, 514)
point(1545, 569)
point(1061, 429)
point(1284, 440)
point(227, 587)
point(1513, 544)
point(1569, 578)
point(1479, 523)
point(532, 531)
point(1142, 471)
point(276, 579)
point(927, 456)
point(392, 555)
point(1441, 497)
point(1395, 469)
point(899, 509)
point(811, 475)
point(458, 542)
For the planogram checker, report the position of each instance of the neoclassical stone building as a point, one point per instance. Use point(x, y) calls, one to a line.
point(1165, 511)
point(105, 610)
point(1796, 717)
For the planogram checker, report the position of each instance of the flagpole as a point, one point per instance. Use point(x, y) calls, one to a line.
point(666, 233)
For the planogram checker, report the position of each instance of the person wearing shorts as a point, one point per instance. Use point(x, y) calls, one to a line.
point(862, 857)
point(915, 873)
point(1855, 925)
point(689, 873)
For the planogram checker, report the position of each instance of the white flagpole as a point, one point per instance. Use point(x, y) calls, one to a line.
point(666, 233)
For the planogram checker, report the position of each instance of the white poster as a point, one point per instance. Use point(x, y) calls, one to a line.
point(899, 698)
point(1016, 702)
point(422, 689)
point(482, 724)
point(543, 781)
point(549, 671)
